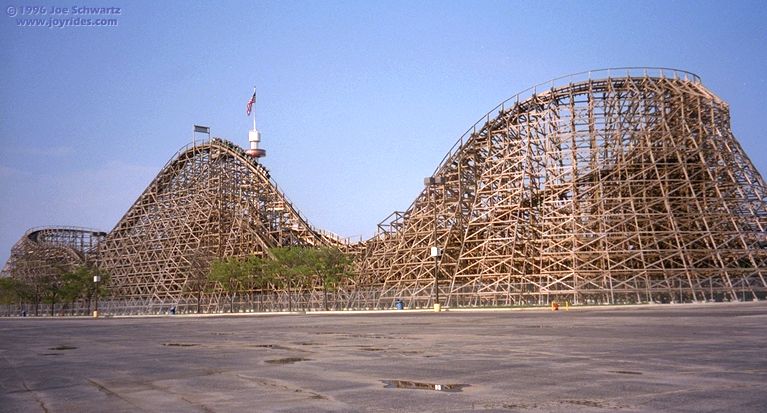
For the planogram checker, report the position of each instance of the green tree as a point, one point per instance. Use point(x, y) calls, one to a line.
point(51, 290)
point(230, 273)
point(7, 294)
point(258, 278)
point(78, 284)
point(51, 283)
point(24, 290)
point(291, 267)
point(331, 265)
point(13, 291)
point(36, 285)
point(198, 280)
point(73, 286)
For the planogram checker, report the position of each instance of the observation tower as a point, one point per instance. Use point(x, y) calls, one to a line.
point(254, 136)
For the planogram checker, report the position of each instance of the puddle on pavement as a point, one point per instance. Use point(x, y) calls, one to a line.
point(598, 404)
point(271, 346)
point(286, 360)
point(626, 372)
point(558, 405)
point(63, 348)
point(180, 344)
point(414, 385)
point(366, 336)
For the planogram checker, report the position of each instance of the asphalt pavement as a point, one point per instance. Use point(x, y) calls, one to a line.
point(670, 358)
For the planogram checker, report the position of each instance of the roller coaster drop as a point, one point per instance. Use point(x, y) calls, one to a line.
point(626, 188)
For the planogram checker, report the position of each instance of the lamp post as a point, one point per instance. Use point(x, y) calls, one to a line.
point(96, 279)
point(435, 251)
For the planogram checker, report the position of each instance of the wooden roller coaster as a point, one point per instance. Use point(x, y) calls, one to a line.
point(627, 188)
point(614, 186)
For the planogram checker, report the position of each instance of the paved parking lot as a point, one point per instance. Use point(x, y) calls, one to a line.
point(676, 358)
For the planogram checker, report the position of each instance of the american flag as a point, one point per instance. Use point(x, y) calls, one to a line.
point(250, 103)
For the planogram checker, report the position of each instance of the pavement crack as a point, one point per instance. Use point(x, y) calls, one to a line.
point(268, 383)
point(103, 388)
point(200, 405)
point(26, 387)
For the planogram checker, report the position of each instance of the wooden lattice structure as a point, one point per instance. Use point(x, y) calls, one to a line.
point(625, 188)
point(210, 201)
point(603, 187)
point(48, 252)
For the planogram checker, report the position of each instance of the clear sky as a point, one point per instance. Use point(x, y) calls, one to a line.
point(358, 101)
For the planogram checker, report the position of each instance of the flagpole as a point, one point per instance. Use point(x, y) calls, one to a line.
point(254, 108)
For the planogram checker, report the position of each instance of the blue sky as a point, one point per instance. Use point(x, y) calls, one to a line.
point(358, 100)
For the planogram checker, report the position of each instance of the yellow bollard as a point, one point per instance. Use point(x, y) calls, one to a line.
point(567, 305)
point(437, 308)
point(95, 313)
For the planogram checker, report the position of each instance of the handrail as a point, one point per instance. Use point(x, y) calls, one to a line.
point(63, 228)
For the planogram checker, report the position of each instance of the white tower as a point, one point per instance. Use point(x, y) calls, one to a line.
point(254, 136)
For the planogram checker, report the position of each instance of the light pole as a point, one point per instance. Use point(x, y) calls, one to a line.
point(435, 251)
point(96, 279)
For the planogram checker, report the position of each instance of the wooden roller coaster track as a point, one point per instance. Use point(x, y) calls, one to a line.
point(614, 186)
